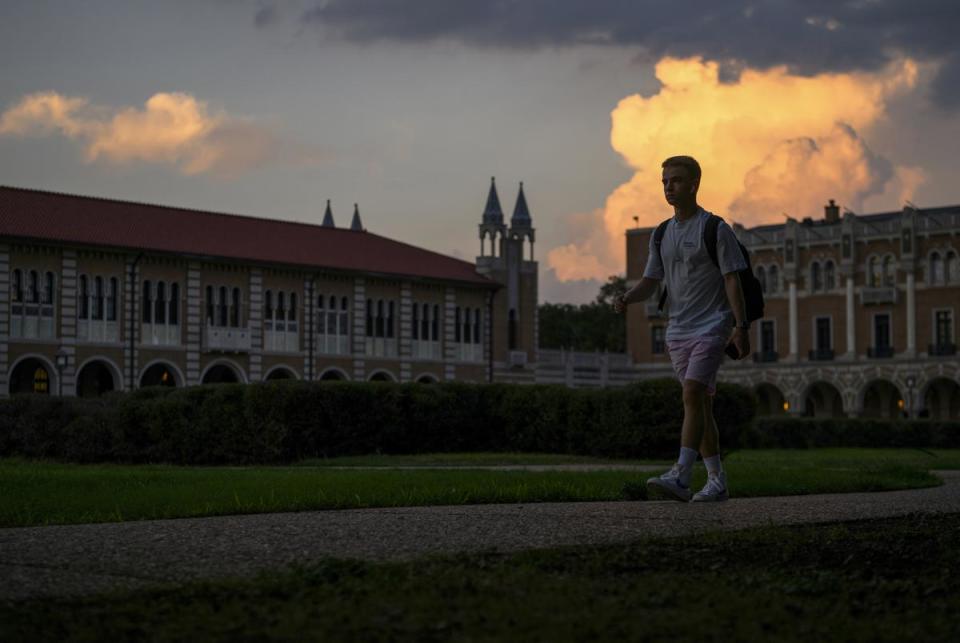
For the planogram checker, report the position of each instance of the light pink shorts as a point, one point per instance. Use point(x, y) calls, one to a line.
point(698, 359)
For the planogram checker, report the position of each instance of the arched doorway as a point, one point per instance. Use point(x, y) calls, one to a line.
point(94, 379)
point(941, 400)
point(30, 376)
point(822, 400)
point(382, 376)
point(332, 375)
point(159, 375)
point(220, 374)
point(280, 373)
point(881, 399)
point(427, 379)
point(770, 400)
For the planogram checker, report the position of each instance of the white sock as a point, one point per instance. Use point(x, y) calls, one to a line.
point(713, 465)
point(687, 459)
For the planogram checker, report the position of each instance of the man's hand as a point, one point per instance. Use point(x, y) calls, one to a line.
point(741, 339)
point(620, 303)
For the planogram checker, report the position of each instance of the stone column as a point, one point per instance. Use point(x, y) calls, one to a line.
point(911, 316)
point(406, 333)
point(359, 343)
point(794, 349)
point(255, 325)
point(4, 319)
point(851, 321)
point(194, 323)
point(131, 322)
point(449, 347)
point(68, 323)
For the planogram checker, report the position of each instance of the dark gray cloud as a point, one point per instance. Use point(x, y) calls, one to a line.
point(808, 36)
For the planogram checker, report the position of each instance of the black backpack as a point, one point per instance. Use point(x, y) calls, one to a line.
point(752, 292)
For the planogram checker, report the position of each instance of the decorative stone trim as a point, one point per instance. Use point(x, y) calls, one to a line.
point(359, 335)
point(406, 334)
point(131, 311)
point(449, 347)
point(194, 323)
point(255, 324)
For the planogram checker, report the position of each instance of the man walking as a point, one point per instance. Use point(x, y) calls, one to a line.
point(706, 302)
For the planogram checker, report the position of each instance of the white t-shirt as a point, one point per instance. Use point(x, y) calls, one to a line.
point(695, 289)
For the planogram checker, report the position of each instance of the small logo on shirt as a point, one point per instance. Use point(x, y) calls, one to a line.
point(688, 244)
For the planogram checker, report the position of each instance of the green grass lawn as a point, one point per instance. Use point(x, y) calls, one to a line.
point(890, 580)
point(39, 493)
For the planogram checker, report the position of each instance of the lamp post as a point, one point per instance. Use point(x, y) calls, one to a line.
point(61, 361)
point(911, 382)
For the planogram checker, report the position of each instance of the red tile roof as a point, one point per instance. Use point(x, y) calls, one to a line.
point(50, 216)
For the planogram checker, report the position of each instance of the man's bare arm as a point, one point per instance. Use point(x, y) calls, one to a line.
point(644, 288)
point(731, 283)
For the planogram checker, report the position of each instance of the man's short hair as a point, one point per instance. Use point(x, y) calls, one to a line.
point(688, 162)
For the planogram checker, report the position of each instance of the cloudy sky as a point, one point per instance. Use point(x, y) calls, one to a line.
point(408, 107)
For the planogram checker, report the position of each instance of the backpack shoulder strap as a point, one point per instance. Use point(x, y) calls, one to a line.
point(657, 240)
point(710, 237)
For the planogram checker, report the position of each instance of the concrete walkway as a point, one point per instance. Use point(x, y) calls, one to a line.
point(86, 559)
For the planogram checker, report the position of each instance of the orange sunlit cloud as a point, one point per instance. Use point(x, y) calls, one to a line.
point(172, 128)
point(770, 144)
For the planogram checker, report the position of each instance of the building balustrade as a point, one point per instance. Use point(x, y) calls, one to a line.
point(766, 356)
point(878, 295)
point(98, 331)
point(234, 340)
point(880, 352)
point(160, 334)
point(821, 355)
point(942, 350)
point(420, 349)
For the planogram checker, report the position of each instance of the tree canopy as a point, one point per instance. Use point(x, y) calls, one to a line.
point(586, 327)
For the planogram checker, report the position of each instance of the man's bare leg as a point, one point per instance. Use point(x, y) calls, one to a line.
point(710, 442)
point(695, 401)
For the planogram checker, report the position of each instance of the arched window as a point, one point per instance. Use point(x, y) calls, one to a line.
point(476, 325)
point(344, 316)
point(456, 325)
point(435, 324)
point(84, 298)
point(322, 316)
point(369, 318)
point(415, 326)
point(773, 279)
point(292, 313)
point(379, 318)
point(33, 294)
point(98, 297)
point(391, 320)
point(936, 269)
point(467, 334)
point(210, 305)
point(18, 285)
point(816, 281)
point(951, 269)
point(235, 309)
point(160, 312)
point(762, 278)
point(873, 272)
point(112, 294)
point(175, 304)
point(829, 277)
point(222, 306)
point(425, 330)
point(281, 307)
point(889, 272)
point(48, 288)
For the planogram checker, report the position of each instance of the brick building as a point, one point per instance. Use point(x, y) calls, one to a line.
point(99, 295)
point(861, 314)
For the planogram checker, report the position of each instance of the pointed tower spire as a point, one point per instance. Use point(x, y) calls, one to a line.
point(328, 217)
point(492, 213)
point(356, 225)
point(521, 215)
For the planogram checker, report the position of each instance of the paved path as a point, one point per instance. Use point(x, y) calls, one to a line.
point(84, 559)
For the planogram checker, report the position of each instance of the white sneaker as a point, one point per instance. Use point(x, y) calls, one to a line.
point(669, 485)
point(715, 490)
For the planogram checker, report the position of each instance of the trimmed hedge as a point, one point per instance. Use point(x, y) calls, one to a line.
point(806, 433)
point(280, 422)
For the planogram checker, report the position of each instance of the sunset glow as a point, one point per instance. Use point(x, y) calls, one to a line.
point(770, 144)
